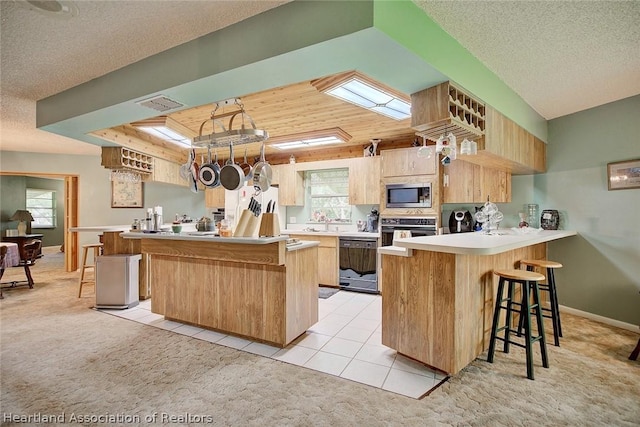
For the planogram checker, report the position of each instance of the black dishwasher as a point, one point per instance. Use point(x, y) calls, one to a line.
point(358, 264)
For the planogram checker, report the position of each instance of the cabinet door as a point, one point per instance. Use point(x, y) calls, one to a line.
point(291, 186)
point(327, 257)
point(364, 181)
point(462, 187)
point(405, 162)
point(328, 266)
point(167, 172)
point(214, 197)
point(495, 185)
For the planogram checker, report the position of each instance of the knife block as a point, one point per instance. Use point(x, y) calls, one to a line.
point(270, 226)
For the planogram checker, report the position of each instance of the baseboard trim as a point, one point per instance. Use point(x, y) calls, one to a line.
point(601, 319)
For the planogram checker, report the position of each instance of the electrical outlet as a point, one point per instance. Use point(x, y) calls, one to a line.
point(292, 220)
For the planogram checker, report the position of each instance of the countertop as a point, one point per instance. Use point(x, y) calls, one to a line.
point(106, 228)
point(479, 244)
point(204, 237)
point(365, 234)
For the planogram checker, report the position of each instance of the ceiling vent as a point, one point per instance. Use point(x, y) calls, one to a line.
point(160, 103)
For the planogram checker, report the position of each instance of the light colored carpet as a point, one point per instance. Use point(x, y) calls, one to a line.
point(59, 356)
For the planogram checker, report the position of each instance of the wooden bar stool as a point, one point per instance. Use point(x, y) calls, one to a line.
point(528, 281)
point(550, 286)
point(85, 250)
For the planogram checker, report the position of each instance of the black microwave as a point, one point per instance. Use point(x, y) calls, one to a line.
point(408, 195)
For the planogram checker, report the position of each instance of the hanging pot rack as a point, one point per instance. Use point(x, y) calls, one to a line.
point(228, 136)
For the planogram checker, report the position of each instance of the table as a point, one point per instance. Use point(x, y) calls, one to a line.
point(21, 240)
point(12, 259)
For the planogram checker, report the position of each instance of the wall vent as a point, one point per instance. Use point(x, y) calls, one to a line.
point(160, 103)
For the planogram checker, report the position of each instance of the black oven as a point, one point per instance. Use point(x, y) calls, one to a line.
point(418, 226)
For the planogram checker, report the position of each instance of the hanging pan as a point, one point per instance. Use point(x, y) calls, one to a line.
point(208, 174)
point(231, 175)
point(262, 173)
point(246, 168)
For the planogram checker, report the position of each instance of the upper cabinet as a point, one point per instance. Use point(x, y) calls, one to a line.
point(168, 172)
point(291, 184)
point(364, 181)
point(447, 108)
point(502, 144)
point(214, 197)
point(465, 182)
point(405, 162)
point(507, 140)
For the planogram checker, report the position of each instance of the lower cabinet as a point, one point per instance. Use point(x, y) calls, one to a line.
point(328, 261)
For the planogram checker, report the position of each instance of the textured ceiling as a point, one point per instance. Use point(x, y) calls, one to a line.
point(561, 57)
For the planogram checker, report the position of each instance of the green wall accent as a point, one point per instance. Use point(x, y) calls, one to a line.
point(406, 23)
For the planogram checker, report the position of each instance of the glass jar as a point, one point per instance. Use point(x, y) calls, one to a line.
point(225, 228)
point(532, 215)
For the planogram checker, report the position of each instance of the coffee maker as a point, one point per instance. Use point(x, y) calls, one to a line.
point(372, 221)
point(460, 222)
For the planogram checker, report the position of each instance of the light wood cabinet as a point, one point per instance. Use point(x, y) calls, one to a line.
point(466, 182)
point(328, 261)
point(124, 158)
point(291, 184)
point(405, 162)
point(514, 147)
point(364, 181)
point(214, 197)
point(168, 172)
point(447, 108)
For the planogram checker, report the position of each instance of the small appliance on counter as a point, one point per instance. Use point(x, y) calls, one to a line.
point(372, 221)
point(550, 219)
point(460, 222)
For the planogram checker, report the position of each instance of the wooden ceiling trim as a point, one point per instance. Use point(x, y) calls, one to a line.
point(129, 137)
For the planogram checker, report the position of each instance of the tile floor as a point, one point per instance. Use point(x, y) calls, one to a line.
point(346, 342)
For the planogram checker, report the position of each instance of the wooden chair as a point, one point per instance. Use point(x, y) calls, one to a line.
point(30, 250)
point(3, 254)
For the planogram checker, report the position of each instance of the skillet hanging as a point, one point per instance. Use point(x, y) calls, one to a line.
point(231, 175)
point(208, 174)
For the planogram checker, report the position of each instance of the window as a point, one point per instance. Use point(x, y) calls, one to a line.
point(329, 195)
point(42, 205)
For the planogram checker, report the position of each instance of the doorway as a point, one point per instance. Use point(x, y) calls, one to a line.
point(71, 184)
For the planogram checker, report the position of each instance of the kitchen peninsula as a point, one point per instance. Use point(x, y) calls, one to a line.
point(438, 298)
point(258, 288)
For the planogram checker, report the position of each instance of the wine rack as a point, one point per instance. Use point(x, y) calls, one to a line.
point(447, 108)
point(126, 159)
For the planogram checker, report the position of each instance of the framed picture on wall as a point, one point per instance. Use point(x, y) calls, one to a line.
point(126, 194)
point(623, 175)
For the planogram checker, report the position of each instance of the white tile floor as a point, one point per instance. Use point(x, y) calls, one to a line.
point(346, 342)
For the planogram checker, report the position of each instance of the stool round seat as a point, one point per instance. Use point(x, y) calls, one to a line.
point(522, 306)
point(515, 274)
point(85, 250)
point(542, 263)
point(550, 287)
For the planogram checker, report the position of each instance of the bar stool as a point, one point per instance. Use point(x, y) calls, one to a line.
point(528, 281)
point(85, 250)
point(550, 287)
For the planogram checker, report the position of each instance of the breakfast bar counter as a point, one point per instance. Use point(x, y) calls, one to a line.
point(258, 288)
point(438, 296)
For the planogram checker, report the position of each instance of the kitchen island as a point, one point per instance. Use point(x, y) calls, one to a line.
point(257, 288)
point(438, 298)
